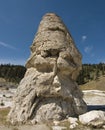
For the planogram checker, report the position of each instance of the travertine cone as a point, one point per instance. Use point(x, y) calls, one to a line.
point(48, 90)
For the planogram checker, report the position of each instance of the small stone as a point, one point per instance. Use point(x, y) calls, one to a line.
point(56, 122)
point(73, 122)
point(72, 126)
point(59, 128)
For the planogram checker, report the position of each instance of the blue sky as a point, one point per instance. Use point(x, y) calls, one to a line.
point(19, 20)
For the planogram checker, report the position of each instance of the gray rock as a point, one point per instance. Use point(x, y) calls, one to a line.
point(48, 90)
point(93, 118)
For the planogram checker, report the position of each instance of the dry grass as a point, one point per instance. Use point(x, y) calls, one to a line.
point(98, 84)
point(3, 115)
point(2, 80)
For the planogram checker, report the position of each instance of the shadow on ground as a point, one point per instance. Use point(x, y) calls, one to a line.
point(96, 107)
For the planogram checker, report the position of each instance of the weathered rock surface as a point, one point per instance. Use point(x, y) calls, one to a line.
point(93, 118)
point(48, 90)
point(73, 122)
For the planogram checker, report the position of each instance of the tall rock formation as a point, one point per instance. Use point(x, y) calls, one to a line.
point(48, 90)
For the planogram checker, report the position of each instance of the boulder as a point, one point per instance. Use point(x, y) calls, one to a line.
point(48, 90)
point(93, 118)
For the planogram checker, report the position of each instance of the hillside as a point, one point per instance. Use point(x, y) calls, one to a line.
point(6, 85)
point(90, 72)
point(98, 84)
point(12, 73)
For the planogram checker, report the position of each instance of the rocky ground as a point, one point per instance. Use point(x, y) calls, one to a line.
point(6, 97)
point(93, 98)
point(43, 127)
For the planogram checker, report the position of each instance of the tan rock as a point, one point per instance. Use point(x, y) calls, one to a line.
point(48, 90)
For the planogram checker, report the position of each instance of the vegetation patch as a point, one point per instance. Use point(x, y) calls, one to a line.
point(12, 73)
point(3, 115)
point(91, 72)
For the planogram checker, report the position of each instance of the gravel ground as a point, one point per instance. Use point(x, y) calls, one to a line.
point(95, 100)
point(25, 127)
